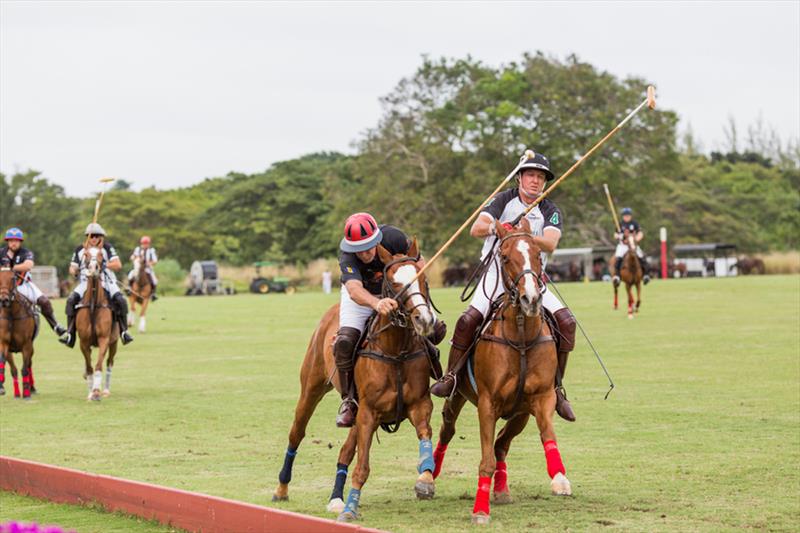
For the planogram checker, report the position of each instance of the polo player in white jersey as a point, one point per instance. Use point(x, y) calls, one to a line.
point(148, 253)
point(546, 222)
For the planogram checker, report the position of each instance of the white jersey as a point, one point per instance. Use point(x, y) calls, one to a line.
point(108, 252)
point(507, 206)
point(149, 254)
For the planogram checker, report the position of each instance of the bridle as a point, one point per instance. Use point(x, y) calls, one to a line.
point(512, 284)
point(400, 316)
point(12, 292)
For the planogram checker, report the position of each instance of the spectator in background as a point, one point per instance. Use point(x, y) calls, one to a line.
point(326, 281)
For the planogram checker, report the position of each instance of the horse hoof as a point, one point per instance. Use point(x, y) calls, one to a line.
point(106, 393)
point(560, 485)
point(630, 316)
point(502, 498)
point(2, 391)
point(347, 516)
point(277, 498)
point(335, 506)
point(480, 519)
point(424, 490)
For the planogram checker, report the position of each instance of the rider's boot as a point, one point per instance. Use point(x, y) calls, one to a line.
point(47, 311)
point(343, 349)
point(468, 323)
point(566, 326)
point(431, 341)
point(645, 270)
point(69, 338)
point(153, 295)
point(617, 268)
point(122, 318)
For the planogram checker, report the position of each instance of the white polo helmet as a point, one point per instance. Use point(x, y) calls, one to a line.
point(95, 229)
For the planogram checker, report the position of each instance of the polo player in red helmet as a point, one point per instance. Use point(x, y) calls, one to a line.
point(362, 280)
point(148, 253)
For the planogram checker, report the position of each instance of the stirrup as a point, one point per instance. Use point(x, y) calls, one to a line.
point(442, 381)
point(126, 337)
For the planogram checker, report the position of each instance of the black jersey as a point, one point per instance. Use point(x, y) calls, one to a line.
point(632, 227)
point(371, 275)
point(19, 257)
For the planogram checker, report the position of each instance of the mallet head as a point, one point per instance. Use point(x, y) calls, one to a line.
point(651, 97)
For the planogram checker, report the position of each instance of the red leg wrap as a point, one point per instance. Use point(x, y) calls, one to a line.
point(482, 496)
point(31, 375)
point(501, 477)
point(3, 372)
point(438, 458)
point(554, 464)
point(16, 387)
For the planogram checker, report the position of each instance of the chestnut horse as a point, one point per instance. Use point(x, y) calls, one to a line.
point(631, 274)
point(141, 289)
point(514, 366)
point(392, 379)
point(96, 327)
point(17, 327)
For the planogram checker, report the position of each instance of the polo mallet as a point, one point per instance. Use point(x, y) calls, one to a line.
point(98, 203)
point(649, 101)
point(613, 208)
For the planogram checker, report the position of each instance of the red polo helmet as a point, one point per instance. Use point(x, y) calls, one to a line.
point(361, 232)
point(144, 240)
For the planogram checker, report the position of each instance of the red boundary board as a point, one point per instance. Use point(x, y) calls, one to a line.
point(178, 508)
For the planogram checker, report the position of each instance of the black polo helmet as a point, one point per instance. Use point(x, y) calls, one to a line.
point(531, 159)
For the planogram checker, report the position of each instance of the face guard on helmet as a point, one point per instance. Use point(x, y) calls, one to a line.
point(361, 232)
point(14, 234)
point(95, 229)
point(531, 159)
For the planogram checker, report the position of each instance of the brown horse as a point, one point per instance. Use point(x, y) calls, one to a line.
point(392, 378)
point(631, 274)
point(141, 289)
point(96, 327)
point(514, 366)
point(17, 328)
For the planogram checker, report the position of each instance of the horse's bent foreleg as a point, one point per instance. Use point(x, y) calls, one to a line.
point(346, 453)
point(500, 491)
point(488, 424)
point(420, 415)
point(543, 408)
point(638, 295)
point(27, 357)
point(310, 396)
point(366, 424)
point(450, 411)
point(616, 297)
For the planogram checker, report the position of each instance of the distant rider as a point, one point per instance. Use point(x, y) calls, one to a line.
point(631, 227)
point(147, 254)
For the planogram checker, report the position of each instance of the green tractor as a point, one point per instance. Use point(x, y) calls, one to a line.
point(263, 285)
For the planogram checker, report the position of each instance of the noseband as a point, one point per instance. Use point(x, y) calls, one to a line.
point(511, 285)
point(401, 314)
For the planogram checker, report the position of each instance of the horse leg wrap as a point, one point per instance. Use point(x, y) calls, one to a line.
point(338, 484)
point(501, 477)
point(426, 461)
point(16, 387)
point(482, 496)
point(2, 370)
point(353, 499)
point(26, 386)
point(438, 458)
point(286, 472)
point(97, 380)
point(108, 378)
point(554, 464)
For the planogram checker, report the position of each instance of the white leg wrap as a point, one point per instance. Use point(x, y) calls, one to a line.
point(97, 380)
point(108, 378)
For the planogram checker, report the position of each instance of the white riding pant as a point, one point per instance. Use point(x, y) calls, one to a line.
point(490, 288)
point(149, 271)
point(353, 315)
point(29, 291)
point(109, 284)
point(622, 249)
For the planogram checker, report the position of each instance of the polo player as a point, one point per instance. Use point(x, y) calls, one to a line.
point(22, 261)
point(362, 283)
point(148, 254)
point(630, 227)
point(546, 224)
point(111, 262)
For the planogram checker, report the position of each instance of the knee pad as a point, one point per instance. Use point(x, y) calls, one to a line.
point(468, 323)
point(344, 346)
point(72, 301)
point(566, 326)
point(45, 305)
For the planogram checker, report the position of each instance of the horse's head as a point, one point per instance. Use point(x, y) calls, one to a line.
point(93, 260)
point(521, 266)
point(413, 300)
point(6, 283)
point(631, 240)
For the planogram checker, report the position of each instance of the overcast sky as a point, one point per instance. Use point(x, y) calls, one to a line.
point(169, 93)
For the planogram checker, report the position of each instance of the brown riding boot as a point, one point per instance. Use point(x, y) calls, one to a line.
point(343, 349)
point(464, 334)
point(566, 326)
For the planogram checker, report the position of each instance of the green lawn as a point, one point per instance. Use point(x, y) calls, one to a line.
point(701, 433)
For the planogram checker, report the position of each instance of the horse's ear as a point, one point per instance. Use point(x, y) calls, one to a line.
point(384, 255)
point(499, 229)
point(525, 225)
point(413, 250)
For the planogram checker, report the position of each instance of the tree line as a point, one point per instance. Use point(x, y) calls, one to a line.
point(447, 136)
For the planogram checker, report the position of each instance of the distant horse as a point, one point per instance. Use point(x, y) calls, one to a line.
point(631, 274)
point(514, 366)
point(96, 327)
point(17, 330)
point(750, 265)
point(392, 375)
point(141, 289)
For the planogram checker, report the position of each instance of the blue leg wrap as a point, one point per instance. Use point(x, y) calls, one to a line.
point(425, 456)
point(338, 485)
point(286, 472)
point(353, 500)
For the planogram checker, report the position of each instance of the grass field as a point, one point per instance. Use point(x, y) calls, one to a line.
point(702, 432)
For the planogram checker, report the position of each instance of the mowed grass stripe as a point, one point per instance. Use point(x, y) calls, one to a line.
point(701, 433)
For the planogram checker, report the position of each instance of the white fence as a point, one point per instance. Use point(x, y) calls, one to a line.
point(46, 278)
